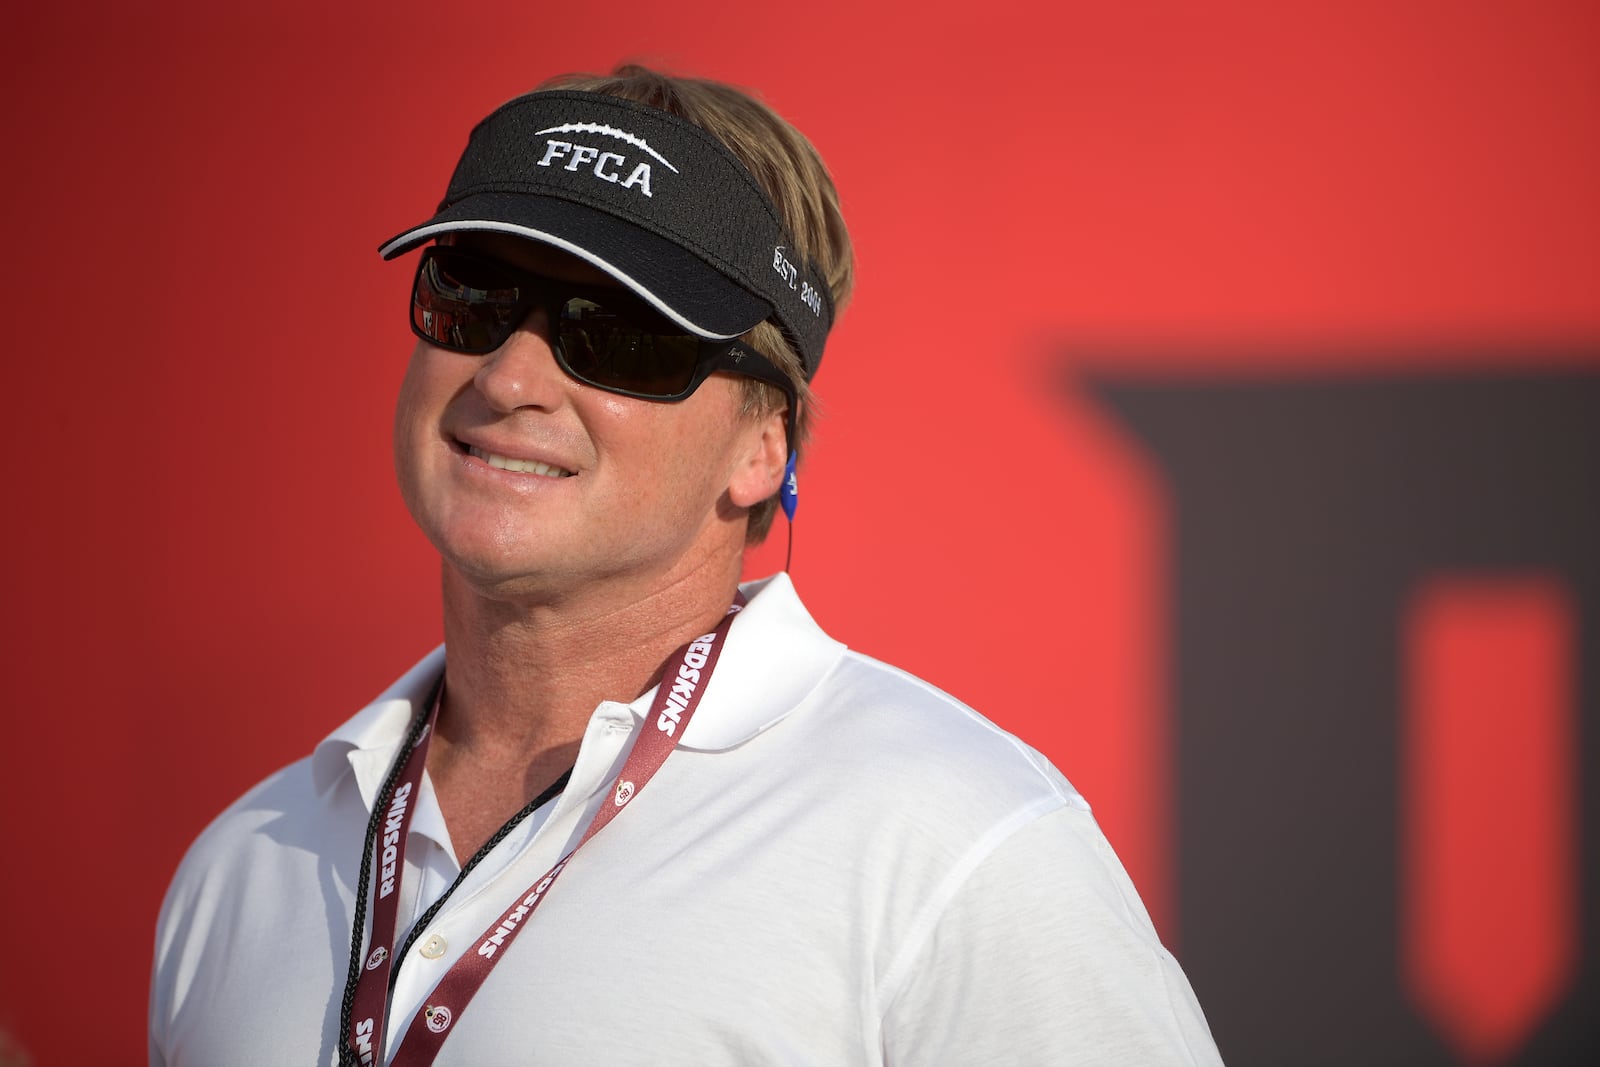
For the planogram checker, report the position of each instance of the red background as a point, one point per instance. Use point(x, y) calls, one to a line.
point(207, 566)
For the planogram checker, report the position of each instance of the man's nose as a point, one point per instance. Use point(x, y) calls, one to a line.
point(523, 371)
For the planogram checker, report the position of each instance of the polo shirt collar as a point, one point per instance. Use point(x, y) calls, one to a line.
point(367, 742)
point(775, 656)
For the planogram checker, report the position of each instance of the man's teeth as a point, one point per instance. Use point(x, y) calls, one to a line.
point(521, 466)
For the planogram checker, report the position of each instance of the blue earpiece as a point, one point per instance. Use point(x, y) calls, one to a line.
point(789, 495)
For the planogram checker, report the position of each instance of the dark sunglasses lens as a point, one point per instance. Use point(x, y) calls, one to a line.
point(616, 346)
point(465, 304)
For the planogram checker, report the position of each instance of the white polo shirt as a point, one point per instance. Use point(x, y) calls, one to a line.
point(839, 865)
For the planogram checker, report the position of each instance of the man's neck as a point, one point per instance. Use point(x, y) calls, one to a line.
point(525, 674)
point(521, 670)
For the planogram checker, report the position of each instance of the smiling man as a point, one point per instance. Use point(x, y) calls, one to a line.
point(619, 306)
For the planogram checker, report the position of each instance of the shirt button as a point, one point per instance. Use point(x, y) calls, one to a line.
point(433, 948)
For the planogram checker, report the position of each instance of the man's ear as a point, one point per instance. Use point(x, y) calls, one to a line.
point(760, 473)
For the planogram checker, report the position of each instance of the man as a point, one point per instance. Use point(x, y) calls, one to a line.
point(628, 290)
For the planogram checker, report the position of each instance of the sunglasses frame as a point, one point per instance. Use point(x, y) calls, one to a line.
point(537, 290)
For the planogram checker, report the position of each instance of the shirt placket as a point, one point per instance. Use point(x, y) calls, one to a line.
point(508, 870)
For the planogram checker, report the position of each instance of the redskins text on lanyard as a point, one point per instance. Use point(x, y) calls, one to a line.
point(670, 713)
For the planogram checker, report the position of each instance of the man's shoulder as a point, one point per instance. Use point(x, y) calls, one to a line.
point(306, 808)
point(841, 708)
point(892, 766)
point(922, 729)
point(268, 816)
point(282, 792)
point(261, 891)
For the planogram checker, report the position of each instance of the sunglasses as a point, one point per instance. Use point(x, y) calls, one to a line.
point(602, 336)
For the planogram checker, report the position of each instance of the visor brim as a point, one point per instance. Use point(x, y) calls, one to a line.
point(675, 281)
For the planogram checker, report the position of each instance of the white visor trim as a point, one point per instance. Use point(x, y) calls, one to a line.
point(412, 237)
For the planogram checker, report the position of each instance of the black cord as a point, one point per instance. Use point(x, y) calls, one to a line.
point(510, 824)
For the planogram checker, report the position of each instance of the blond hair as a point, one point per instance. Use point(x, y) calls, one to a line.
point(787, 167)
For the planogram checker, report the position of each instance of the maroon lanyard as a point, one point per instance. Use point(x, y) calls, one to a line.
point(679, 694)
